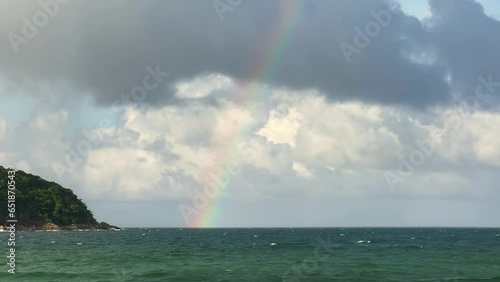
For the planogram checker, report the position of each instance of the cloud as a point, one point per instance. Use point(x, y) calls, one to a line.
point(103, 48)
point(166, 152)
point(35, 141)
point(467, 42)
point(469, 140)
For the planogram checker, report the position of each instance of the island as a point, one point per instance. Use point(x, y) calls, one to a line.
point(42, 205)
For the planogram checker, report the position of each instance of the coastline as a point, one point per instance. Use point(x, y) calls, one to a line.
point(54, 227)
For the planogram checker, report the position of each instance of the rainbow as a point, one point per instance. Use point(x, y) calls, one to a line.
point(260, 72)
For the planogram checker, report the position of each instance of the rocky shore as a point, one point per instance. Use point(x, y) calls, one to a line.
point(54, 227)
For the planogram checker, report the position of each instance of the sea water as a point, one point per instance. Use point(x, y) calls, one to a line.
point(256, 254)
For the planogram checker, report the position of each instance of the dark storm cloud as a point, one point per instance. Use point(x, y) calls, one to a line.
point(104, 47)
point(468, 42)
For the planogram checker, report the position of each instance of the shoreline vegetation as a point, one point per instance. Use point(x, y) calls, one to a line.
point(44, 205)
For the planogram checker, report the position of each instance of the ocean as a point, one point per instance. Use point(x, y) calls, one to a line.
point(256, 254)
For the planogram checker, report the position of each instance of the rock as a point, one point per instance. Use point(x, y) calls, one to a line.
point(106, 226)
point(50, 226)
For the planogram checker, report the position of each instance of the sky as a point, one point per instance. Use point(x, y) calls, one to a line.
point(238, 113)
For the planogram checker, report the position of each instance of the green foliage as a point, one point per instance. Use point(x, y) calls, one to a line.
point(40, 201)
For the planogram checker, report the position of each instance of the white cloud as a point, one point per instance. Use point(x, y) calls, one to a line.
point(282, 125)
point(302, 171)
point(302, 147)
point(202, 86)
point(467, 139)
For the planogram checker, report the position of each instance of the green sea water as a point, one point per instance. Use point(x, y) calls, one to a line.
point(258, 254)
